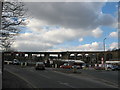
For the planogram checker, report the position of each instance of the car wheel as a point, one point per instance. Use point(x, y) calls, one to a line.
point(109, 68)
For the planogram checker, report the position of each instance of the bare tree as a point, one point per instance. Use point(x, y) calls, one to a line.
point(13, 16)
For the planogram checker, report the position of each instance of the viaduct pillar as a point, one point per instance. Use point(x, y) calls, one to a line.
point(46, 57)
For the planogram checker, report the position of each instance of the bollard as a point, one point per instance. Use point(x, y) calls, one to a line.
point(7, 62)
point(55, 65)
point(21, 64)
point(25, 63)
point(106, 68)
point(52, 66)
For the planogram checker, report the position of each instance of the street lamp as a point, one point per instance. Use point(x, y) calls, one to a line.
point(104, 44)
point(103, 59)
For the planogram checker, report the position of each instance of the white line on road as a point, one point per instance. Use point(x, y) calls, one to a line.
point(22, 78)
point(66, 84)
point(88, 78)
point(44, 76)
point(38, 73)
point(32, 70)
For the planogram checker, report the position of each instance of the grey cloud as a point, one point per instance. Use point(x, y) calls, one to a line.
point(84, 15)
point(106, 19)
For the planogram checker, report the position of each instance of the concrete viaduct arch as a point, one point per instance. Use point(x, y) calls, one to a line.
point(90, 57)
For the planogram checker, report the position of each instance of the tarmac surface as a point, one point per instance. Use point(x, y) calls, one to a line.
point(111, 77)
point(12, 81)
point(55, 78)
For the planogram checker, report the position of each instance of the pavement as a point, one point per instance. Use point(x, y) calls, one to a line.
point(54, 78)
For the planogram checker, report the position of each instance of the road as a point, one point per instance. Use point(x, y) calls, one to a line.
point(50, 78)
point(110, 77)
point(12, 81)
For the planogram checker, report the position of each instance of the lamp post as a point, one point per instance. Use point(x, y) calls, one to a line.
point(103, 59)
point(104, 44)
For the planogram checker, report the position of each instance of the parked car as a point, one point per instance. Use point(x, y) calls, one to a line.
point(15, 62)
point(40, 66)
point(77, 66)
point(116, 67)
point(83, 66)
point(111, 67)
point(66, 65)
point(108, 67)
point(100, 67)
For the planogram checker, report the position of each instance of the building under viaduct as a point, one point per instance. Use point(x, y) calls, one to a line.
point(90, 57)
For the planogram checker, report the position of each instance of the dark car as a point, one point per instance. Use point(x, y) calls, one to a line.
point(77, 66)
point(40, 66)
point(116, 67)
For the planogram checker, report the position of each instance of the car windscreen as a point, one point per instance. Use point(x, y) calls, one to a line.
point(39, 63)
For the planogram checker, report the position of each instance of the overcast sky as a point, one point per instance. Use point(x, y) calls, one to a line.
point(69, 26)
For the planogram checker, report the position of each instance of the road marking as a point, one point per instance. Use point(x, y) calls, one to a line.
point(44, 76)
point(31, 69)
point(66, 84)
point(107, 82)
point(21, 78)
point(90, 79)
point(38, 73)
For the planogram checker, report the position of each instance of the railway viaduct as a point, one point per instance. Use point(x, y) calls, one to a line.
point(90, 57)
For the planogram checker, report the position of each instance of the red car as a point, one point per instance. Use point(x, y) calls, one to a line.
point(99, 68)
point(66, 65)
